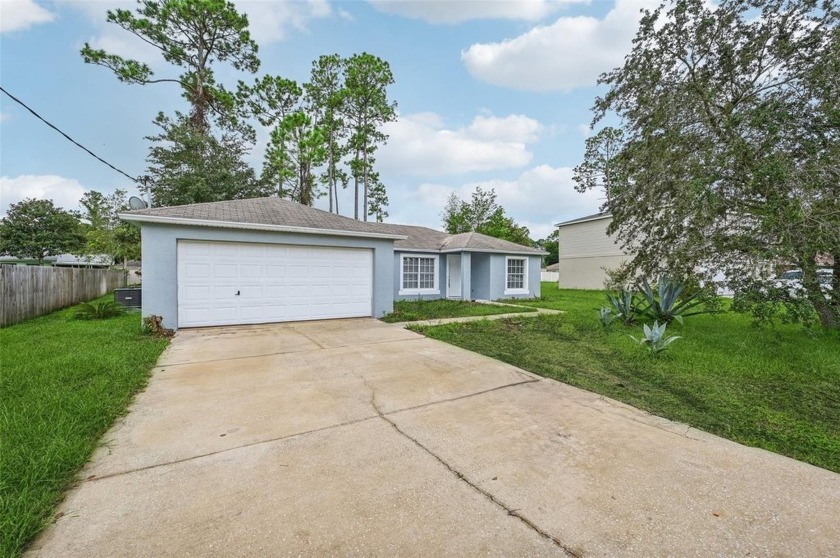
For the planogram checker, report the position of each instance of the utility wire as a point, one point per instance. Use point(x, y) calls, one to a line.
point(91, 153)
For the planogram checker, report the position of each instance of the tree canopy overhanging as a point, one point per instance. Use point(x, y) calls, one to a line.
point(723, 153)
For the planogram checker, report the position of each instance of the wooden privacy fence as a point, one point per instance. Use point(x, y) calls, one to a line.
point(31, 291)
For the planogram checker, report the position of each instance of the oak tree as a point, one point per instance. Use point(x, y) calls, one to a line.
point(483, 215)
point(725, 150)
point(35, 229)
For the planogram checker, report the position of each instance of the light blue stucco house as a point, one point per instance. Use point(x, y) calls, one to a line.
point(270, 260)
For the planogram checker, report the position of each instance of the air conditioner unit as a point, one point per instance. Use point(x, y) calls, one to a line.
point(129, 297)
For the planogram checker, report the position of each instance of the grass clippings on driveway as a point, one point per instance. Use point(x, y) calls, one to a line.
point(63, 384)
point(778, 389)
point(416, 310)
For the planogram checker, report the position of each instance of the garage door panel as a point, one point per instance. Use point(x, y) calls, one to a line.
point(255, 271)
point(225, 271)
point(254, 251)
point(224, 292)
point(199, 293)
point(275, 271)
point(198, 269)
point(275, 283)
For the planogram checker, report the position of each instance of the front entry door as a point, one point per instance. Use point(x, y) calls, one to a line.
point(453, 274)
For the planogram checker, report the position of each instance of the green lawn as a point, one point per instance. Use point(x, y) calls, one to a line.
point(414, 310)
point(777, 389)
point(63, 384)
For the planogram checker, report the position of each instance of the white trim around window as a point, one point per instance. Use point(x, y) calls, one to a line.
point(516, 275)
point(419, 274)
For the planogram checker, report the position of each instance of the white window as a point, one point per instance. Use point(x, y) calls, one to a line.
point(516, 280)
point(419, 275)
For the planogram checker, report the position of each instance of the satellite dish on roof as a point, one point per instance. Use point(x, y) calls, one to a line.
point(136, 203)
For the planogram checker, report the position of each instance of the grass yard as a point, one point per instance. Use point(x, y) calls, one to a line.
point(63, 384)
point(414, 310)
point(778, 389)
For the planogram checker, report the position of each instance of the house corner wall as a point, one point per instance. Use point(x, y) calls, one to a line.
point(584, 250)
point(159, 285)
point(466, 276)
point(480, 276)
point(534, 276)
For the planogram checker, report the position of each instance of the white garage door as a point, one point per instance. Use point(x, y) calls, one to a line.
point(221, 283)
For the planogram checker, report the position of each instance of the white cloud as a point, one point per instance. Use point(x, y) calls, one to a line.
point(96, 10)
point(516, 128)
point(64, 192)
point(344, 14)
point(271, 21)
point(5, 116)
point(538, 198)
point(571, 52)
point(542, 194)
point(585, 130)
point(456, 11)
point(19, 15)
point(421, 144)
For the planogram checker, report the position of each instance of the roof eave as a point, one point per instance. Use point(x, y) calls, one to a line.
point(456, 250)
point(584, 220)
point(428, 250)
point(495, 251)
point(158, 219)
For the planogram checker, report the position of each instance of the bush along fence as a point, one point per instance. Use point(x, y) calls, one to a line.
point(30, 291)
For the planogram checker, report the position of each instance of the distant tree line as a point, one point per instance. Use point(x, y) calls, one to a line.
point(36, 229)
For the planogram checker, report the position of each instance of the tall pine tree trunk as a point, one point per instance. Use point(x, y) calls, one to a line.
point(366, 183)
point(356, 187)
point(332, 175)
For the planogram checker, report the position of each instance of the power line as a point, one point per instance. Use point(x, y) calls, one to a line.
point(91, 153)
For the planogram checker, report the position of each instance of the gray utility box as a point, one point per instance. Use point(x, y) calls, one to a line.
point(130, 297)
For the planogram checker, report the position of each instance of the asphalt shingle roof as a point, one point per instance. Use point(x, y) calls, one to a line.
point(424, 238)
point(280, 212)
point(261, 211)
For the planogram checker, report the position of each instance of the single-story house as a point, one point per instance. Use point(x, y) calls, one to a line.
point(271, 260)
point(89, 260)
point(585, 250)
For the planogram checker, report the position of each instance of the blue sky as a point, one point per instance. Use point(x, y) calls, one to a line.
point(492, 94)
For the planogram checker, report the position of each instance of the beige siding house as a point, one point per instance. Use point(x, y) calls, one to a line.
point(585, 250)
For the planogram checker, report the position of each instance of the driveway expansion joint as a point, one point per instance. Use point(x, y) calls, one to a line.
point(460, 397)
point(462, 477)
point(94, 478)
point(320, 348)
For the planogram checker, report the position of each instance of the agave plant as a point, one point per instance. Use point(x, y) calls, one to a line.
point(655, 339)
point(624, 305)
point(606, 316)
point(667, 304)
point(100, 310)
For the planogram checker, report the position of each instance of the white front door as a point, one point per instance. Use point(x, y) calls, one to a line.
point(453, 274)
point(226, 283)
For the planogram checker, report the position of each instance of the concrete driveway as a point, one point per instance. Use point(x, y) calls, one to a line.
point(357, 438)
